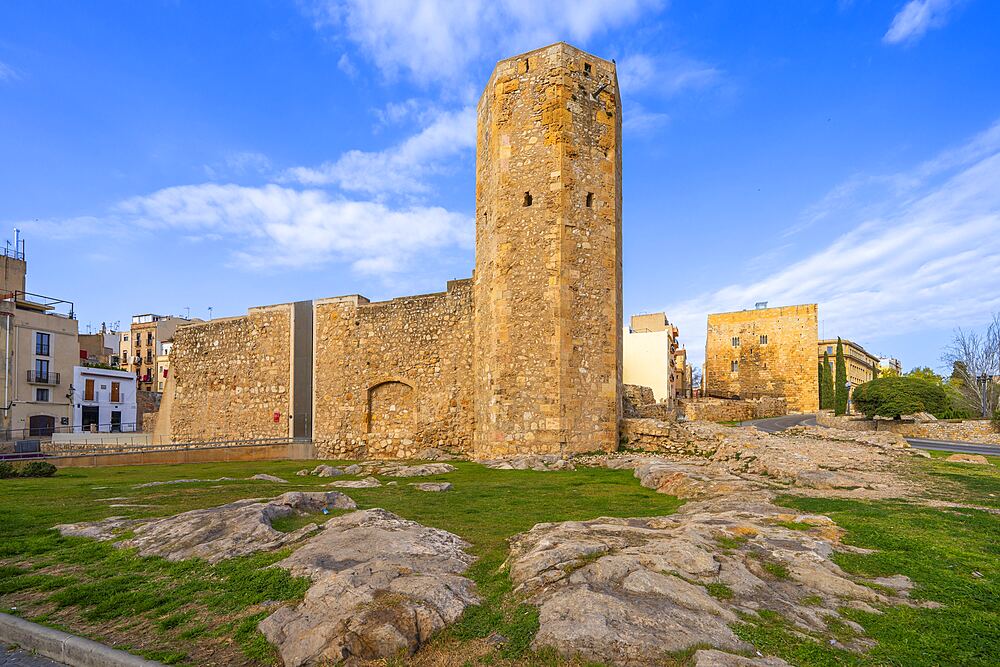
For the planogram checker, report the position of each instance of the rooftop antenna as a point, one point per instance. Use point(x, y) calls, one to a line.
point(187, 312)
point(209, 312)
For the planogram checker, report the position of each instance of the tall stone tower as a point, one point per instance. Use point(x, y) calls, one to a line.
point(547, 287)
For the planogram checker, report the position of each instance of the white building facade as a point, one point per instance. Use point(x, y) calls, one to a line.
point(649, 346)
point(103, 400)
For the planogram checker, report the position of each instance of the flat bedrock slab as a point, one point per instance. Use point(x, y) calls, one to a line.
point(382, 586)
point(215, 533)
point(628, 591)
point(419, 470)
point(264, 477)
point(537, 462)
point(366, 483)
point(431, 486)
point(323, 470)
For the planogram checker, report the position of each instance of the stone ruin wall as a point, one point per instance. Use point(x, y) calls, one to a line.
point(231, 376)
point(732, 410)
point(548, 308)
point(783, 367)
point(963, 430)
point(394, 377)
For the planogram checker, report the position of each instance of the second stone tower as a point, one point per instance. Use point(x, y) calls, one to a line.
point(547, 359)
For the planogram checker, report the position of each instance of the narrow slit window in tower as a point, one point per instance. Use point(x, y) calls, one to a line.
point(586, 68)
point(527, 199)
point(590, 199)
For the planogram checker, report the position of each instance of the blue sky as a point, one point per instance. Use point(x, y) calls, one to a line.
point(170, 155)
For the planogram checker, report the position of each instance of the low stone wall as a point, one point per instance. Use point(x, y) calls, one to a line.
point(968, 430)
point(654, 435)
point(203, 454)
point(638, 402)
point(732, 410)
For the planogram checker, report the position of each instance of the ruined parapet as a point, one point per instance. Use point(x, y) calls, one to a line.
point(547, 285)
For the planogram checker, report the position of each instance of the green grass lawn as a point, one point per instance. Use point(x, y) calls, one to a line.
point(192, 612)
point(195, 613)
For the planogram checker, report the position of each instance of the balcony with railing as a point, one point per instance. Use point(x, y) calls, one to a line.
point(34, 377)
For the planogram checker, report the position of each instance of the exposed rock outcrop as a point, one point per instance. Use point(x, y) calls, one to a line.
point(264, 477)
point(432, 486)
point(978, 459)
point(366, 483)
point(216, 533)
point(538, 462)
point(628, 591)
point(382, 586)
point(420, 470)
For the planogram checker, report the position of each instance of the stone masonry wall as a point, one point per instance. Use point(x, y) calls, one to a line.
point(231, 376)
point(968, 430)
point(548, 309)
point(732, 410)
point(784, 366)
point(394, 377)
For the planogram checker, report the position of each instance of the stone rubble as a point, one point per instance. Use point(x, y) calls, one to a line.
point(382, 586)
point(215, 533)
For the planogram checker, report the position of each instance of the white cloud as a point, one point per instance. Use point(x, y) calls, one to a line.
point(275, 226)
point(928, 258)
point(916, 18)
point(346, 66)
point(664, 75)
point(8, 73)
point(239, 163)
point(436, 41)
point(401, 169)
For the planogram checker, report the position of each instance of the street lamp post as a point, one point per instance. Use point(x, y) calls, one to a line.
point(984, 387)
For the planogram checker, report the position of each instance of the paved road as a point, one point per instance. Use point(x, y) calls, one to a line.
point(778, 424)
point(19, 658)
point(950, 446)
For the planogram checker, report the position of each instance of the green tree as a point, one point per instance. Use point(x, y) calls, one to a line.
point(826, 393)
point(840, 381)
point(924, 373)
point(892, 397)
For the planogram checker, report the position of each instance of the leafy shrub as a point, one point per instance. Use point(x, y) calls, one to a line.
point(37, 469)
point(996, 420)
point(7, 470)
point(893, 397)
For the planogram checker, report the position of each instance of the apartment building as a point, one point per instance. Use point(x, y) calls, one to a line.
point(100, 348)
point(860, 363)
point(104, 400)
point(649, 349)
point(889, 366)
point(38, 336)
point(142, 346)
point(163, 364)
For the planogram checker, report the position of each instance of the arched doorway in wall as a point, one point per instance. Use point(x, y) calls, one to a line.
point(390, 407)
point(41, 426)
